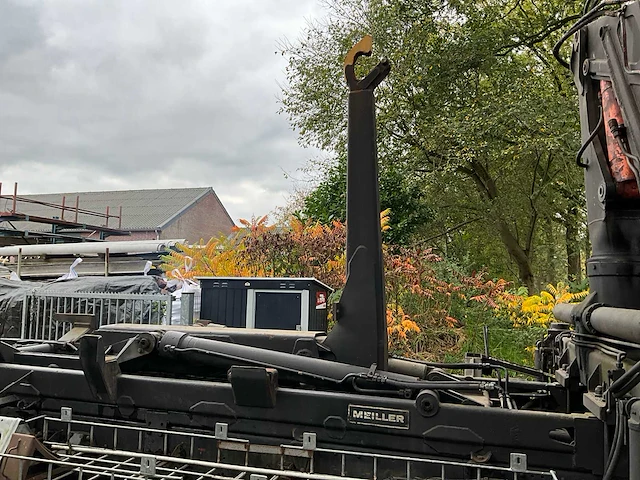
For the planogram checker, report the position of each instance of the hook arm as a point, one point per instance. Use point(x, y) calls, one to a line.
point(373, 79)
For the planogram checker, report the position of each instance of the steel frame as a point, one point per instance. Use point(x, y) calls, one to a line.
point(92, 462)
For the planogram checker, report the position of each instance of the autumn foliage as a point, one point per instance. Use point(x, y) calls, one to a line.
point(421, 289)
point(528, 310)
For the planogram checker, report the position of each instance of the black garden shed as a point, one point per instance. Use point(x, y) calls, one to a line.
point(265, 303)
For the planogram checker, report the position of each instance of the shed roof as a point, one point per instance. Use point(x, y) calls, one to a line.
point(141, 209)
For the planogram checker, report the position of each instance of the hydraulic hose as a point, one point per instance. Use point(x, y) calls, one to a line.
point(626, 382)
point(616, 449)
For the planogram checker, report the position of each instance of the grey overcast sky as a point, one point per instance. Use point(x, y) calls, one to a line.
point(128, 94)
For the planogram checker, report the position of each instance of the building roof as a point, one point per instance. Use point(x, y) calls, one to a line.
point(141, 209)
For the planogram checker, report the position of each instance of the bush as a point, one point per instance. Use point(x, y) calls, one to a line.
point(435, 310)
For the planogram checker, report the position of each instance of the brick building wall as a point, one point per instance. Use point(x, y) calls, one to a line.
point(205, 219)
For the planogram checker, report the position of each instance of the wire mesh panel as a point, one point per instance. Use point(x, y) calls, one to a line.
point(40, 322)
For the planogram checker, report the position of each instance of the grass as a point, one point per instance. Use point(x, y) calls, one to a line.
point(506, 342)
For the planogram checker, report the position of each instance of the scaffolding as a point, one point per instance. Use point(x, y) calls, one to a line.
point(57, 219)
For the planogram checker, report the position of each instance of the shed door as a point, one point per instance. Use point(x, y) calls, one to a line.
point(278, 310)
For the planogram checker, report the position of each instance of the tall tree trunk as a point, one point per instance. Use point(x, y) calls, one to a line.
point(551, 249)
point(520, 255)
point(574, 267)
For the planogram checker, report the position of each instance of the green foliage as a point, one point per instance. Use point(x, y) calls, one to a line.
point(474, 309)
point(328, 201)
point(405, 199)
point(579, 286)
point(505, 342)
point(476, 116)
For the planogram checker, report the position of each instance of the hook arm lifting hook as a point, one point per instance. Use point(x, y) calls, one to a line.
point(373, 79)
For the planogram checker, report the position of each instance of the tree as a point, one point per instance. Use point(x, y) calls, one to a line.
point(476, 113)
point(409, 209)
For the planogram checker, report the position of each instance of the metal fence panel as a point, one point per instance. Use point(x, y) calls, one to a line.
point(39, 311)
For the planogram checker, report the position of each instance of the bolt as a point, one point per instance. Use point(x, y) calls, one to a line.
point(598, 391)
point(585, 67)
point(426, 404)
point(601, 192)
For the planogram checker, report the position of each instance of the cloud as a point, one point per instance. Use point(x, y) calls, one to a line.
point(148, 93)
